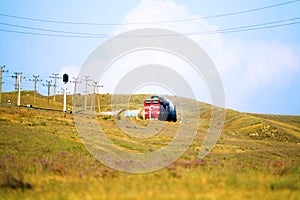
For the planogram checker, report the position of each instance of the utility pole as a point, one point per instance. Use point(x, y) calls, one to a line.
point(75, 87)
point(35, 79)
point(1, 70)
point(48, 85)
point(18, 77)
point(86, 79)
point(15, 76)
point(75, 83)
point(55, 76)
point(96, 86)
point(19, 81)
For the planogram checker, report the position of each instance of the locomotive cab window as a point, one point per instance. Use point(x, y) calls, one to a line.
point(155, 102)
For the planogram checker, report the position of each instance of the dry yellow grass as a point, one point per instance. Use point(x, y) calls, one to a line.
point(42, 157)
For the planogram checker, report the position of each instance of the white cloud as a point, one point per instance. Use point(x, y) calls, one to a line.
point(125, 64)
point(245, 66)
point(253, 66)
point(151, 11)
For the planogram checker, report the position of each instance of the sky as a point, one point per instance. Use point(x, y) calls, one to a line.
point(260, 69)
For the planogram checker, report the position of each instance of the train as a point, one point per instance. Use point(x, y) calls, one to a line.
point(159, 108)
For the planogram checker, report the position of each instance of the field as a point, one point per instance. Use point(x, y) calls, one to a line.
point(43, 157)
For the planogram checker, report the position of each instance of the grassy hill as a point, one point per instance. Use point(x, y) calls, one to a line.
point(42, 156)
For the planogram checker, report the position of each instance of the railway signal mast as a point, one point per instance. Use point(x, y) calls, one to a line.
point(65, 80)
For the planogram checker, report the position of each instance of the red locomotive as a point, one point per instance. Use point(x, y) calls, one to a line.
point(159, 108)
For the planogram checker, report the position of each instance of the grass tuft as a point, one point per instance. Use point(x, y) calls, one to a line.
point(8, 180)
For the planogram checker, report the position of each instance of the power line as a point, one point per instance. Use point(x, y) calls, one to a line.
point(216, 31)
point(259, 28)
point(50, 30)
point(107, 35)
point(46, 34)
point(153, 22)
point(251, 27)
point(239, 12)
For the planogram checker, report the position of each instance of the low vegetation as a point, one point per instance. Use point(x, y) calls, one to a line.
point(42, 157)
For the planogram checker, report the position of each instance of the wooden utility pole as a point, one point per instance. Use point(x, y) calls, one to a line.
point(15, 76)
point(96, 86)
point(35, 80)
point(1, 70)
point(48, 85)
point(86, 79)
point(98, 100)
point(75, 84)
point(75, 81)
point(54, 76)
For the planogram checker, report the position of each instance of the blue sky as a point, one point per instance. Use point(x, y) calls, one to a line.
point(260, 69)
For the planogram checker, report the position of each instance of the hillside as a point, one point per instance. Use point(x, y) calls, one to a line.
point(42, 156)
point(254, 126)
